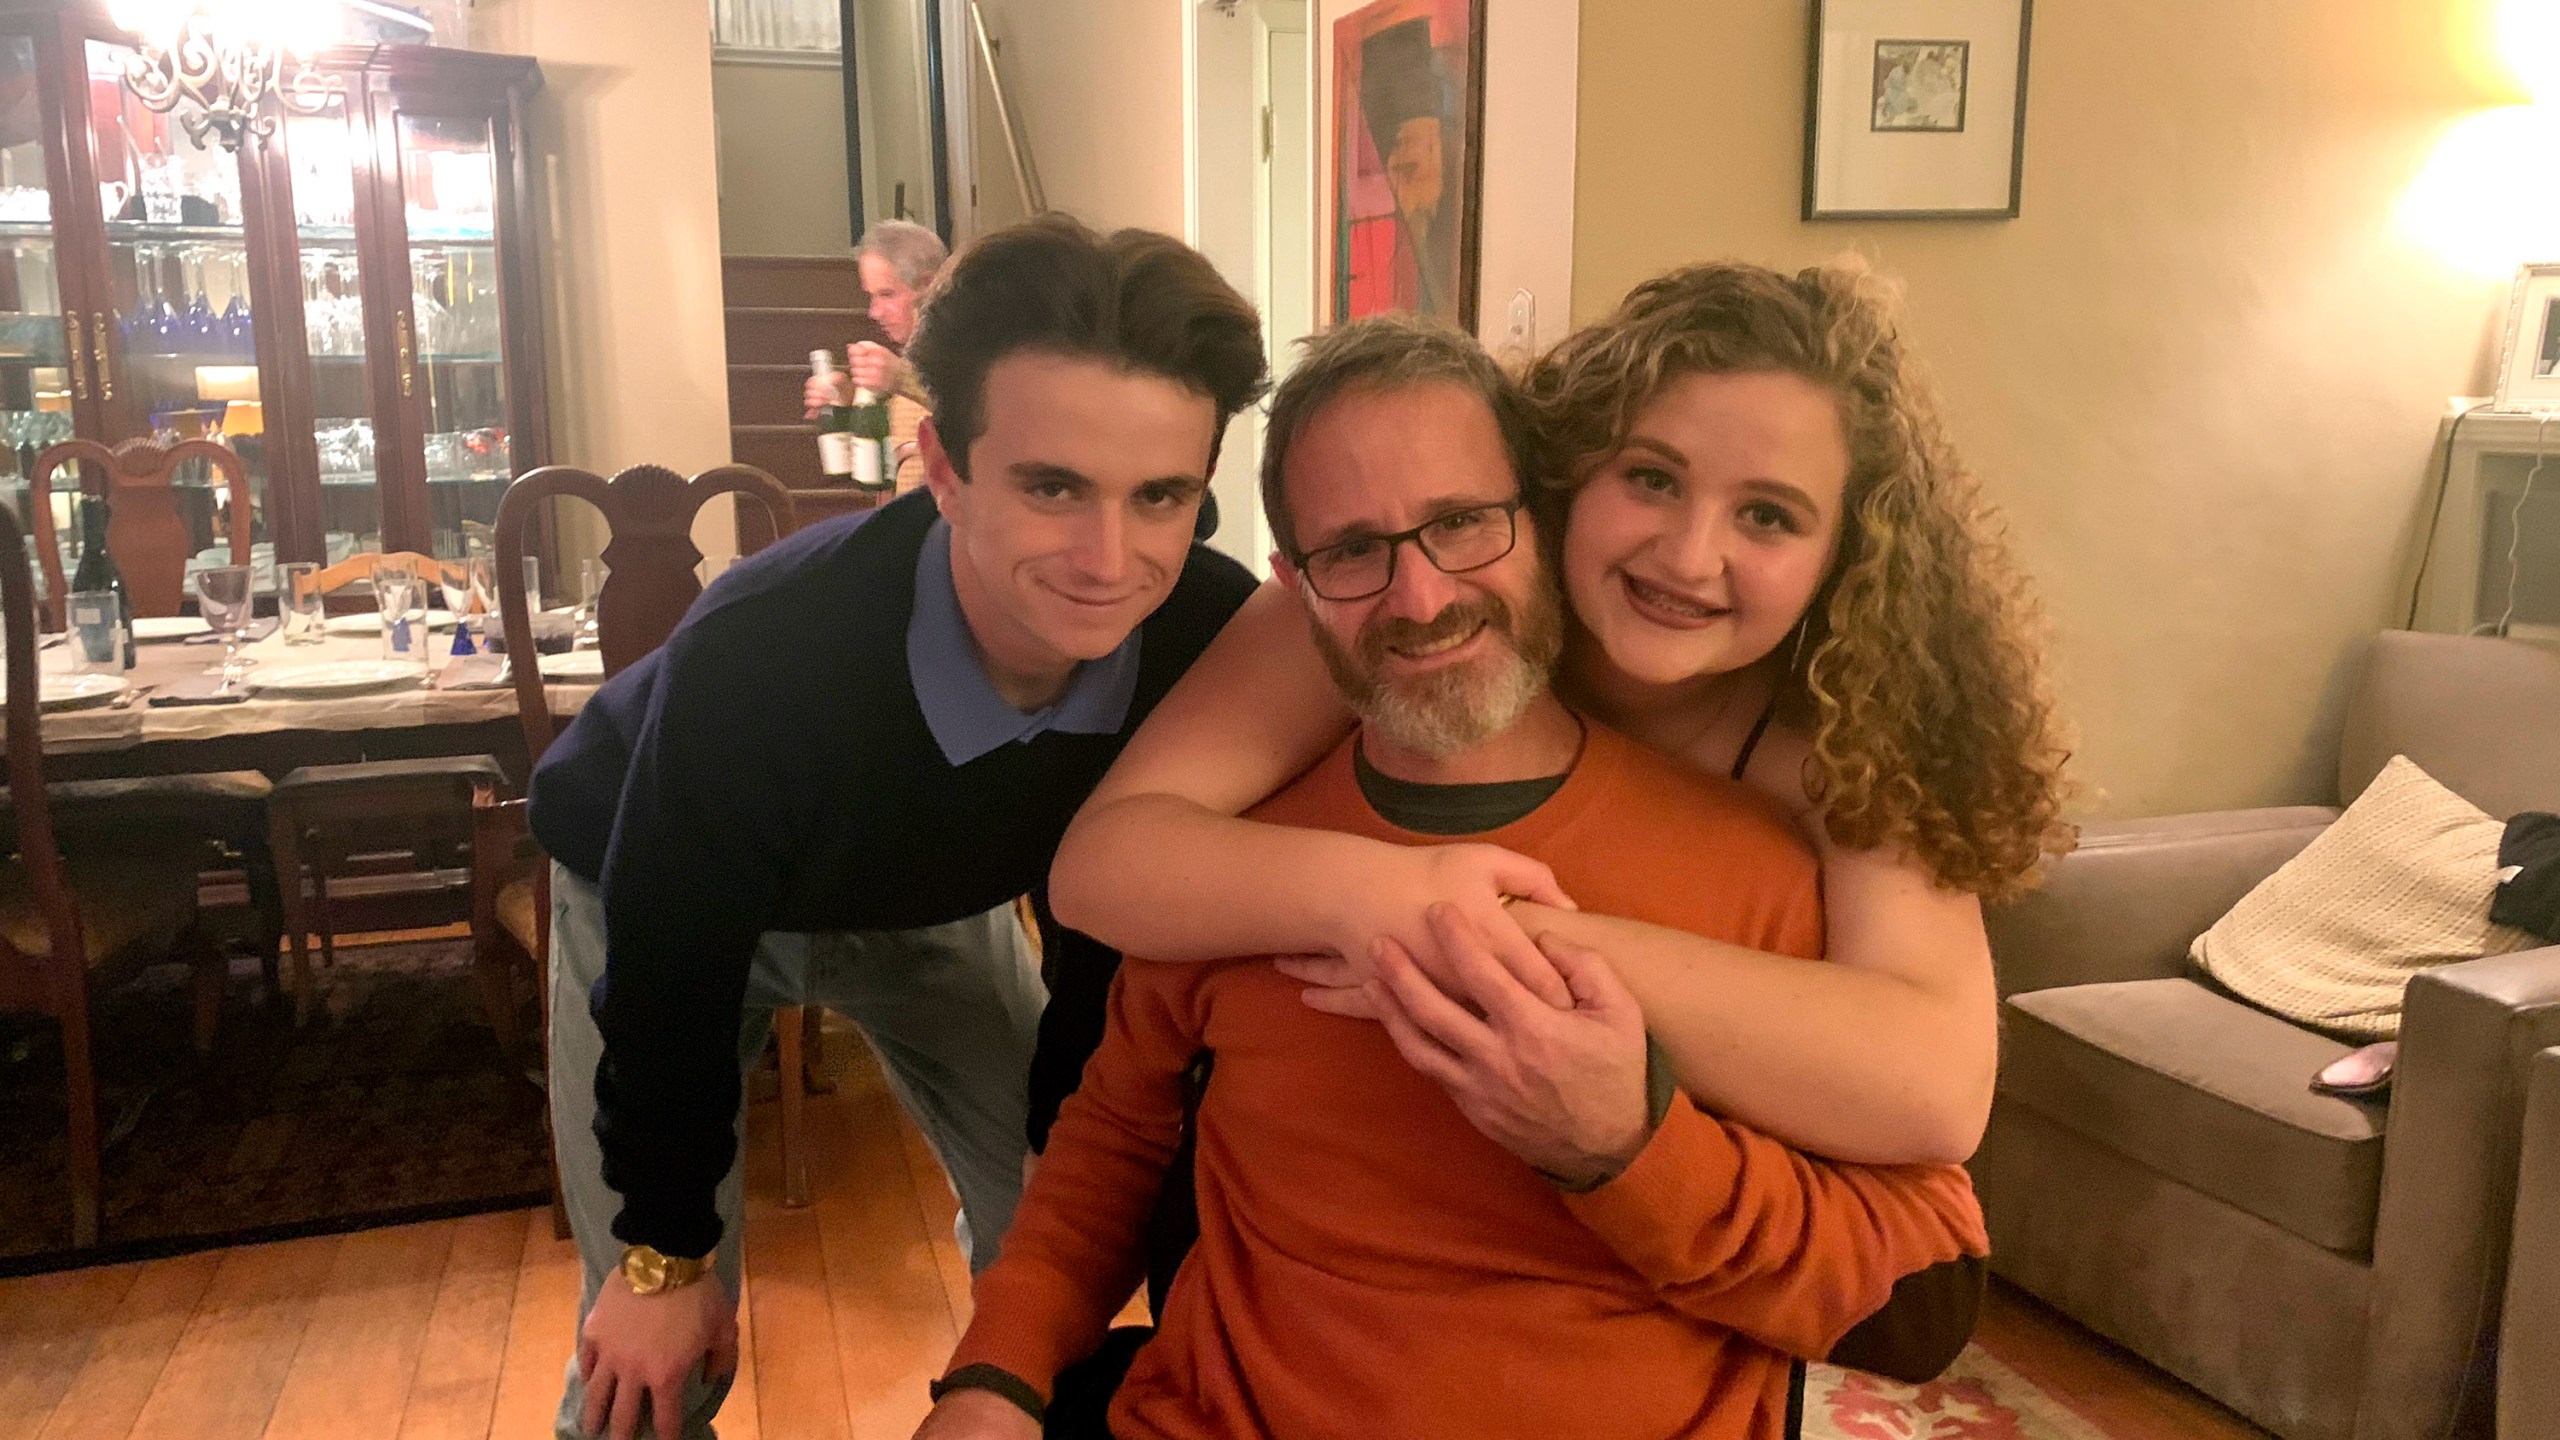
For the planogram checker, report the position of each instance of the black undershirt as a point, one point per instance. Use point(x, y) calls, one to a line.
point(1451, 809)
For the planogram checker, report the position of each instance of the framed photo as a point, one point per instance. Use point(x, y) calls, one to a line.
point(1916, 109)
point(1407, 182)
point(2529, 365)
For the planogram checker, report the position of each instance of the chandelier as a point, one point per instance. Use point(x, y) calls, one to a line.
point(223, 58)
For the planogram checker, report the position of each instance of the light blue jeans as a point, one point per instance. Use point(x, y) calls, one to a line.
point(954, 1011)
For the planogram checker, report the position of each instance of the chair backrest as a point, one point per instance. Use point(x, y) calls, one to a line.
point(150, 540)
point(650, 562)
point(2481, 715)
point(25, 736)
point(811, 506)
point(354, 568)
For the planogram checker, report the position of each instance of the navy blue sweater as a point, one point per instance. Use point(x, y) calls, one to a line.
point(769, 769)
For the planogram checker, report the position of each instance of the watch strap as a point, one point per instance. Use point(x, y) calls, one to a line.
point(996, 1380)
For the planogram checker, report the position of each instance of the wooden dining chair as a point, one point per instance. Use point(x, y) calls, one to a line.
point(651, 581)
point(389, 835)
point(77, 926)
point(148, 536)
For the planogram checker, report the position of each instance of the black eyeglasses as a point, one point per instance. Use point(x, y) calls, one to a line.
point(1455, 543)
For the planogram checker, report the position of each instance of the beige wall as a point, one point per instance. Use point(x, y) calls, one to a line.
point(621, 146)
point(1529, 124)
point(1098, 85)
point(782, 171)
point(2201, 372)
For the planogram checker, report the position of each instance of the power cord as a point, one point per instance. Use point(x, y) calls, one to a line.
point(2515, 518)
point(2435, 516)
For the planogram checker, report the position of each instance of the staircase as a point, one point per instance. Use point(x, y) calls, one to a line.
point(779, 309)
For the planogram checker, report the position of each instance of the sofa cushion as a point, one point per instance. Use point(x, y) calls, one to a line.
point(2205, 1090)
point(2402, 883)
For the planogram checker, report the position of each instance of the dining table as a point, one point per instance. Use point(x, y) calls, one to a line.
point(171, 716)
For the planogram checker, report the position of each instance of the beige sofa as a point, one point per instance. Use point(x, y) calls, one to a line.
point(2529, 1363)
point(2157, 1167)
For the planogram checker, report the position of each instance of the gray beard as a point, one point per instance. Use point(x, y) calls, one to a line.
point(1449, 712)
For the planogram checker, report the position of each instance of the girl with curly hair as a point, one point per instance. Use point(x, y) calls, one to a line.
point(1781, 573)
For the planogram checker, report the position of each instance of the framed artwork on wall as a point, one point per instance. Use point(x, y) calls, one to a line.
point(2529, 364)
point(1916, 109)
point(1407, 182)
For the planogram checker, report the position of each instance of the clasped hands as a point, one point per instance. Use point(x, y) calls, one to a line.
point(1536, 1040)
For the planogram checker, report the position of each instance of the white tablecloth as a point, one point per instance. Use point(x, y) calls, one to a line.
point(104, 728)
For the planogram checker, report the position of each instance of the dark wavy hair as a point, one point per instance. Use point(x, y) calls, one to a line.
point(1141, 301)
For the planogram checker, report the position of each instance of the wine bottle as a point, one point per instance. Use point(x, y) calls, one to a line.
point(871, 441)
point(837, 444)
point(97, 571)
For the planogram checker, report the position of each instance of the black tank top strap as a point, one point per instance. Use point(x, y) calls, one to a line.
point(1751, 742)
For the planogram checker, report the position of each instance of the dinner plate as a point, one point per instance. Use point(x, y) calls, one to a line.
point(72, 692)
point(148, 628)
point(577, 665)
point(333, 678)
point(368, 622)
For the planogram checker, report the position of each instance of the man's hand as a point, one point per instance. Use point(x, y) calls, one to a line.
point(642, 1350)
point(1396, 905)
point(977, 1415)
point(819, 392)
point(1562, 1089)
point(875, 368)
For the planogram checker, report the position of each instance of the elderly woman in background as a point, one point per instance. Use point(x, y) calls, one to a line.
point(898, 260)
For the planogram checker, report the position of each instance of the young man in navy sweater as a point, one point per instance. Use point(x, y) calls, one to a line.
point(859, 747)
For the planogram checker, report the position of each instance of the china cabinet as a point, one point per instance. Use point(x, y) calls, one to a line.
point(350, 302)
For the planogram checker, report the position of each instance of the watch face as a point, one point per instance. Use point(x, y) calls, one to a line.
point(646, 1270)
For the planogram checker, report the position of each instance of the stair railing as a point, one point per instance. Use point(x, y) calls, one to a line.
point(1026, 175)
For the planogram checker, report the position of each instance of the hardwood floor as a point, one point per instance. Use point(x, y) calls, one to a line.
point(458, 1329)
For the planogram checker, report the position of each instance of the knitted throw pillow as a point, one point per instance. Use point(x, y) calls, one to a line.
point(2401, 883)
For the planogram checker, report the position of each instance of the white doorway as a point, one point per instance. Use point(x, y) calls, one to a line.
point(1250, 142)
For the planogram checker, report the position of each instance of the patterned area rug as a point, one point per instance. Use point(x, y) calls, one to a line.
point(1977, 1399)
point(392, 1105)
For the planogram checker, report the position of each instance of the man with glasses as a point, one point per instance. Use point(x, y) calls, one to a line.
point(1491, 1214)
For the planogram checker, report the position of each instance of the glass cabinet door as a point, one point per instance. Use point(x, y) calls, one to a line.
point(453, 371)
point(178, 340)
point(35, 373)
point(323, 151)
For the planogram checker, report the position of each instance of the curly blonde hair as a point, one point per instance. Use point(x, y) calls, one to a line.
point(1920, 669)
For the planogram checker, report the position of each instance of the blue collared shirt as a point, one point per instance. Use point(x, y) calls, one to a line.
point(961, 706)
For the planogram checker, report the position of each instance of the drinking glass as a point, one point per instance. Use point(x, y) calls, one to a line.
point(224, 595)
point(471, 593)
point(305, 610)
point(584, 617)
point(401, 595)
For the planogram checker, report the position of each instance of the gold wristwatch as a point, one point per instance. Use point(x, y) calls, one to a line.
point(650, 1272)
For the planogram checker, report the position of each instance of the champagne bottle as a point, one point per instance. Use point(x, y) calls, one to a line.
point(97, 571)
point(837, 444)
point(871, 440)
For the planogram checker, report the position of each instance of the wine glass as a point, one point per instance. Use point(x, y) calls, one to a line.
point(224, 594)
point(470, 592)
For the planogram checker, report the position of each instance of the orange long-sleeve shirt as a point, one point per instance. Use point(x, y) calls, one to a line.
point(1369, 1264)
